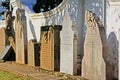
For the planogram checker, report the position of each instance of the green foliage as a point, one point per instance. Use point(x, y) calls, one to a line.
point(5, 5)
point(45, 5)
point(9, 76)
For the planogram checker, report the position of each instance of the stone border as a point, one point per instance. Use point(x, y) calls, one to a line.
point(61, 76)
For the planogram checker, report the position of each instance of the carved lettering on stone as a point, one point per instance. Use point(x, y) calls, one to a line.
point(93, 65)
point(50, 47)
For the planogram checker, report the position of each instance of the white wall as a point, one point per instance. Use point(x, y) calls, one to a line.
point(76, 8)
point(55, 17)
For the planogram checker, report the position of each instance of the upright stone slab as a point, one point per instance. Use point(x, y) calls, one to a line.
point(50, 47)
point(33, 53)
point(93, 65)
point(20, 38)
point(2, 39)
point(107, 58)
point(9, 28)
point(68, 57)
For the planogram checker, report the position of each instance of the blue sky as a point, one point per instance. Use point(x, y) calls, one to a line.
point(1, 9)
point(28, 3)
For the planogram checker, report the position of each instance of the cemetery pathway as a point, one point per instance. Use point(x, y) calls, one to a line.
point(26, 71)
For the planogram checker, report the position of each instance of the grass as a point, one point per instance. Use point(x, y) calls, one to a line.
point(9, 76)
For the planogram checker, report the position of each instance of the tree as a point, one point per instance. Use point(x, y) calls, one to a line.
point(45, 5)
point(4, 6)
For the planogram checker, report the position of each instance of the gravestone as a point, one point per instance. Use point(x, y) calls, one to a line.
point(9, 28)
point(50, 47)
point(93, 65)
point(107, 57)
point(33, 53)
point(68, 55)
point(20, 38)
point(3, 39)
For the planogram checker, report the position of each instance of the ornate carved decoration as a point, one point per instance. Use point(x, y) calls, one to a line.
point(91, 19)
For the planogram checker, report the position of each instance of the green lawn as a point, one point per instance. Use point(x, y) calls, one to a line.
point(9, 76)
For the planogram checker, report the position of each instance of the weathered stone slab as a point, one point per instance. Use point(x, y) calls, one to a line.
point(50, 47)
point(33, 53)
point(20, 38)
point(68, 57)
point(93, 65)
point(3, 39)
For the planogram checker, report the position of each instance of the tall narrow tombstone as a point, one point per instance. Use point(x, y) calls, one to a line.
point(68, 57)
point(9, 28)
point(3, 39)
point(33, 53)
point(50, 47)
point(20, 38)
point(93, 65)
